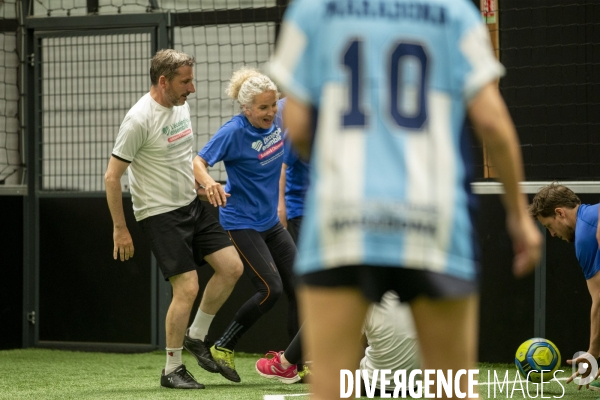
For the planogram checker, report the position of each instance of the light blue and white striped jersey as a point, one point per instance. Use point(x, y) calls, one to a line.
point(390, 81)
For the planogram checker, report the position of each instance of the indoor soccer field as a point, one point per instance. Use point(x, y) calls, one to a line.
point(69, 72)
point(58, 374)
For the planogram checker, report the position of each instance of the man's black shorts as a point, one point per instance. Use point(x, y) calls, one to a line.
point(181, 238)
point(374, 281)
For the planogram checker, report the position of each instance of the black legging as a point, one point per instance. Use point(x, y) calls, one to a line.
point(268, 259)
point(293, 353)
point(293, 227)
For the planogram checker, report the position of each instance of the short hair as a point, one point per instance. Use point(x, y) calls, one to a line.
point(166, 62)
point(551, 197)
point(246, 83)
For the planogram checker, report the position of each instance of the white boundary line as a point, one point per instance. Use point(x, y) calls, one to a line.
point(533, 187)
point(283, 396)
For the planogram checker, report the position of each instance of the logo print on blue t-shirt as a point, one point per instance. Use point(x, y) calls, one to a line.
point(257, 145)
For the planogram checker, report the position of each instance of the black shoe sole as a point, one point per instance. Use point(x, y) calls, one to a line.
point(235, 379)
point(201, 363)
point(183, 388)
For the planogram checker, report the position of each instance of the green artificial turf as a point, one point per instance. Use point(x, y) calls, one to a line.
point(54, 374)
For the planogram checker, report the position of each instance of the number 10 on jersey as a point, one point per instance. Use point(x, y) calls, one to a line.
point(352, 59)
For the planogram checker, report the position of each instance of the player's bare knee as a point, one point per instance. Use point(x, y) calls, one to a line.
point(230, 271)
point(186, 290)
point(237, 269)
point(227, 264)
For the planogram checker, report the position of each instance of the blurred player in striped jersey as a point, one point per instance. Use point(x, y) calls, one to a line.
point(381, 90)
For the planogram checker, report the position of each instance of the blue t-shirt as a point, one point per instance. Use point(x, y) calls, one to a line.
point(296, 174)
point(389, 82)
point(279, 115)
point(586, 245)
point(296, 181)
point(253, 159)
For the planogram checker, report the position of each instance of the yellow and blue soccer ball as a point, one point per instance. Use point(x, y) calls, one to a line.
point(535, 355)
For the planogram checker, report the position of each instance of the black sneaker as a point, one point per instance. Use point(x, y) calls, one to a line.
point(181, 378)
point(200, 350)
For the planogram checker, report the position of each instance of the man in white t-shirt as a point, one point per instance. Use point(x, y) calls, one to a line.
point(392, 340)
point(155, 141)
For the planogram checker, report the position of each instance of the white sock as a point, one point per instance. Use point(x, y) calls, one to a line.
point(199, 328)
point(173, 360)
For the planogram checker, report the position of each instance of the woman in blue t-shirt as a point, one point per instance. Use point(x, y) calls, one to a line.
point(251, 147)
point(293, 183)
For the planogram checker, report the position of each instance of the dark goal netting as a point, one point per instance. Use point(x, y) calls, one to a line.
point(10, 146)
point(551, 49)
point(223, 36)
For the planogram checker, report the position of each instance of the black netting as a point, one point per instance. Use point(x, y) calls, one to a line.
point(551, 50)
point(549, 47)
point(10, 141)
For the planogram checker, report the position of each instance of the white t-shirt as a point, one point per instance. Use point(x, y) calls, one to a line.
point(157, 141)
point(392, 337)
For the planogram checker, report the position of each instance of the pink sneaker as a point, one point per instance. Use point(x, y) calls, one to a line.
point(271, 368)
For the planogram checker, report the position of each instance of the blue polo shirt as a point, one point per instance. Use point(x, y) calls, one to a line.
point(253, 159)
point(296, 174)
point(296, 181)
point(586, 245)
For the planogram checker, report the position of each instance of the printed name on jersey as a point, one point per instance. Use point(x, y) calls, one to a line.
point(385, 218)
point(390, 10)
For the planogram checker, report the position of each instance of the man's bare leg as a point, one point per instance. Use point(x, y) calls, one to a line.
point(228, 268)
point(185, 290)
